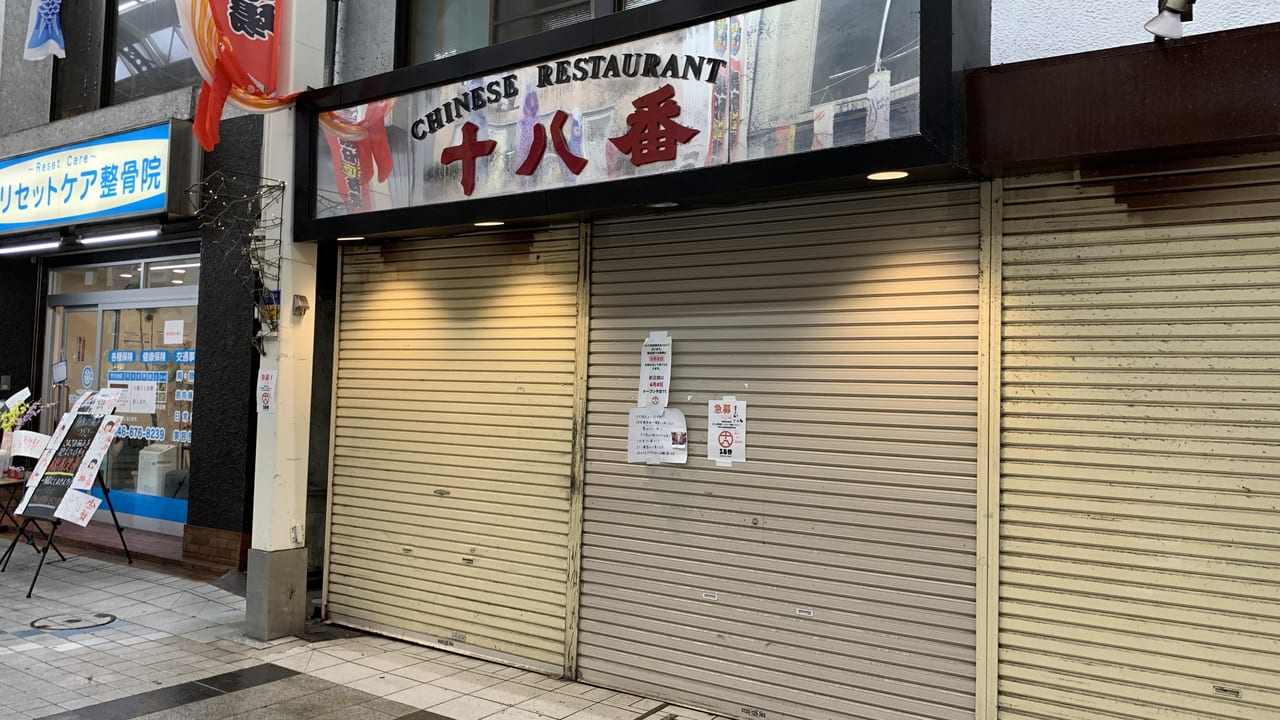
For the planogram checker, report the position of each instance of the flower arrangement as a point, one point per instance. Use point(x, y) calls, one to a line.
point(17, 417)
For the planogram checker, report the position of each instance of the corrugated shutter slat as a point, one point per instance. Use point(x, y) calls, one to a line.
point(832, 575)
point(453, 439)
point(1140, 469)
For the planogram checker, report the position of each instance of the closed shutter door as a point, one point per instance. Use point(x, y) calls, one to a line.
point(832, 574)
point(1140, 558)
point(453, 443)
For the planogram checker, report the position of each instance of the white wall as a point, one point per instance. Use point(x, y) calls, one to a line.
point(1020, 32)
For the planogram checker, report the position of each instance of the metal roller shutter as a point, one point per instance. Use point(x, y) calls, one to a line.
point(453, 441)
point(831, 575)
point(1140, 556)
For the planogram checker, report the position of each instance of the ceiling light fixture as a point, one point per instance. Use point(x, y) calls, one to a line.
point(121, 237)
point(126, 275)
point(30, 247)
point(175, 268)
point(490, 223)
point(351, 238)
point(888, 175)
point(176, 282)
point(665, 205)
point(1168, 22)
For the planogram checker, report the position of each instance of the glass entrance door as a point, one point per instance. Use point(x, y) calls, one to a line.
point(132, 326)
point(74, 339)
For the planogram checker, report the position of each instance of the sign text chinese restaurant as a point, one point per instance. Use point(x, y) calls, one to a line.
point(779, 80)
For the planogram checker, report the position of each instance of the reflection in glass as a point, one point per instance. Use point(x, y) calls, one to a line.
point(448, 27)
point(151, 57)
point(126, 276)
point(136, 357)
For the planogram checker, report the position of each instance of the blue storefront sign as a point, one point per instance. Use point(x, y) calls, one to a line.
point(124, 175)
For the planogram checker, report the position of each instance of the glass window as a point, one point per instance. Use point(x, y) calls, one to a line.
point(173, 272)
point(637, 3)
point(182, 271)
point(150, 56)
point(147, 353)
point(95, 279)
point(447, 27)
point(521, 18)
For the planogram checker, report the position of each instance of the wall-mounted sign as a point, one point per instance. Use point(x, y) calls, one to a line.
point(266, 392)
point(794, 77)
point(125, 175)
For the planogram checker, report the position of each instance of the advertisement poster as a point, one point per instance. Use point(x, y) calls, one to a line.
point(28, 444)
point(51, 480)
point(656, 439)
point(75, 452)
point(173, 332)
point(655, 372)
point(727, 431)
point(77, 507)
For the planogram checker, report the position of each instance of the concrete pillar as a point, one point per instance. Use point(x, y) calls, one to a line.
point(277, 567)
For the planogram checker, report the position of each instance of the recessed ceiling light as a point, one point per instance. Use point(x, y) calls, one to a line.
point(126, 275)
point(888, 175)
point(490, 223)
point(176, 282)
point(351, 238)
point(663, 205)
point(174, 267)
point(179, 271)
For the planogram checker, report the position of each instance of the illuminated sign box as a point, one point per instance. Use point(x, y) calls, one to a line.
point(132, 174)
point(750, 96)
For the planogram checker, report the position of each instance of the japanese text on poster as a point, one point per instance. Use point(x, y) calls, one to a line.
point(655, 372)
point(727, 431)
point(656, 439)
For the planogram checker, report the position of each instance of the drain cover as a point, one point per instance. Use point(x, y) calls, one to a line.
point(73, 622)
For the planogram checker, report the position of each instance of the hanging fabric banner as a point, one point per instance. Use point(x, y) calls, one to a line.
point(235, 45)
point(44, 31)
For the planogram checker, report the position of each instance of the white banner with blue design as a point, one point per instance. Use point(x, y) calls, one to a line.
point(44, 31)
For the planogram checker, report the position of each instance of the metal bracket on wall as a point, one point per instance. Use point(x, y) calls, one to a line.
point(246, 212)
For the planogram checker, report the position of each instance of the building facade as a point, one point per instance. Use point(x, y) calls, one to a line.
point(104, 249)
point(707, 414)
point(501, 245)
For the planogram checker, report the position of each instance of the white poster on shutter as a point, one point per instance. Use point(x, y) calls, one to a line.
point(656, 439)
point(655, 373)
point(727, 431)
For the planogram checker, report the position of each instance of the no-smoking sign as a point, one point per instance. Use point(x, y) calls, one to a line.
point(727, 431)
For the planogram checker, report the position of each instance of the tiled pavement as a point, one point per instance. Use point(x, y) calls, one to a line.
point(176, 650)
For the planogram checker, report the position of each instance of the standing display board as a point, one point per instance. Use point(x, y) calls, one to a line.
point(58, 488)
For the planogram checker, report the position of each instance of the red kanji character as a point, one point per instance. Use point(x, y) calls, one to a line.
point(467, 151)
point(539, 147)
point(653, 130)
